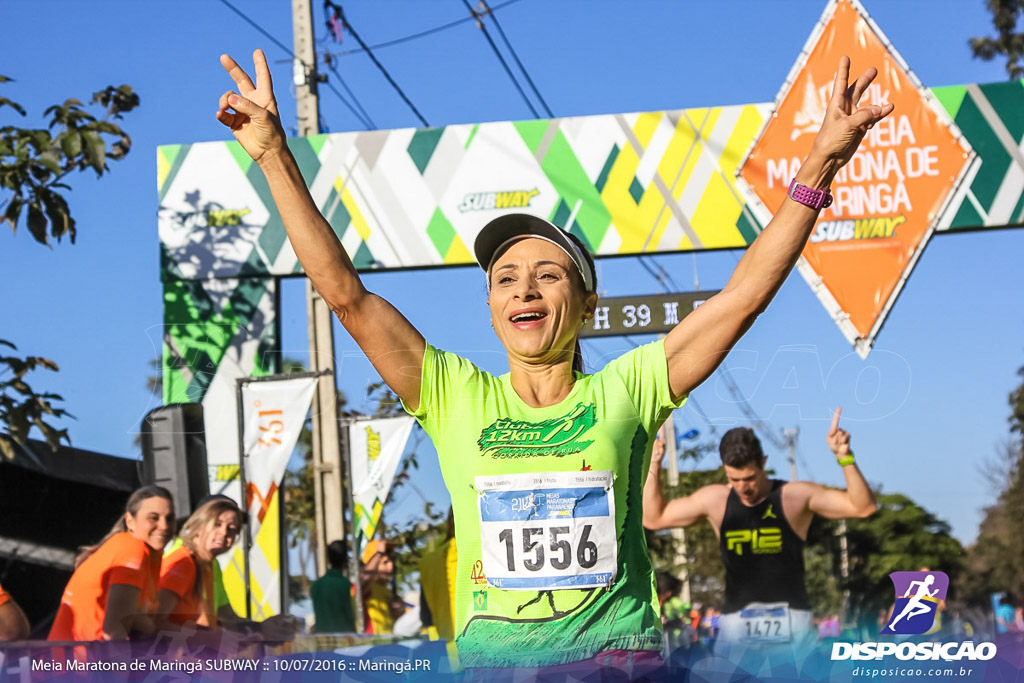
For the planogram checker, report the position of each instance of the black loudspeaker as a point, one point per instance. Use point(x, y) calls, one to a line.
point(174, 454)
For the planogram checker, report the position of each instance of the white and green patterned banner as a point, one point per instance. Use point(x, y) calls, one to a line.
point(626, 183)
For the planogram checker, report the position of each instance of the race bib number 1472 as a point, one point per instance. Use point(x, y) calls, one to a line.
point(547, 531)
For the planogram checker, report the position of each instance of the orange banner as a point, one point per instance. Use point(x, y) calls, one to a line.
point(889, 195)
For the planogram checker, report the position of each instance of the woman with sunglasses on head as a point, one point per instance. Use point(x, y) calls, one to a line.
point(545, 465)
point(112, 594)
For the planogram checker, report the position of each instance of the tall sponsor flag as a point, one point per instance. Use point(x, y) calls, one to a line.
point(273, 415)
point(376, 448)
point(890, 195)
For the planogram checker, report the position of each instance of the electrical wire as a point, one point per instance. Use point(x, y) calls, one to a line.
point(501, 32)
point(330, 86)
point(497, 53)
point(650, 270)
point(259, 28)
point(421, 34)
point(384, 71)
point(364, 117)
point(747, 410)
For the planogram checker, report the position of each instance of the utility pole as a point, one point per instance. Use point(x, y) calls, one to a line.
point(790, 436)
point(327, 469)
point(844, 566)
point(678, 533)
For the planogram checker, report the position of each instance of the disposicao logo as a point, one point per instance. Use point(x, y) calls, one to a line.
point(918, 595)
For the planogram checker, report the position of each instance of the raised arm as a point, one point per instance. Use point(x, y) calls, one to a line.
point(701, 341)
point(857, 500)
point(13, 623)
point(390, 341)
point(680, 512)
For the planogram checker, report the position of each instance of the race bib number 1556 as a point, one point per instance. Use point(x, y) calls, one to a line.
point(547, 531)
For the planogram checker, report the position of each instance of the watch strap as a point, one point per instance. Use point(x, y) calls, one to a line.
point(816, 199)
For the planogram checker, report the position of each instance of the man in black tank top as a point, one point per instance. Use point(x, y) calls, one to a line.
point(761, 525)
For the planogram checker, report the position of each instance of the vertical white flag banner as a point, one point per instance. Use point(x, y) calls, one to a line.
point(375, 447)
point(273, 414)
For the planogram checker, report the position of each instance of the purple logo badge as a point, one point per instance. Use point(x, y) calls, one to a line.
point(918, 595)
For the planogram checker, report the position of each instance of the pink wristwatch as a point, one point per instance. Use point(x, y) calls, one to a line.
point(816, 199)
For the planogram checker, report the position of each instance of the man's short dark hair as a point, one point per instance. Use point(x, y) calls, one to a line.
point(337, 554)
point(740, 448)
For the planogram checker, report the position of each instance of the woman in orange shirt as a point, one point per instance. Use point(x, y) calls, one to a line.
point(186, 577)
point(13, 624)
point(112, 593)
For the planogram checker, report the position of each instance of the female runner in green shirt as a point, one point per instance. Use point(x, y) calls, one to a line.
point(545, 465)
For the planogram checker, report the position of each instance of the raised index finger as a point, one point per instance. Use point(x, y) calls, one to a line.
point(263, 79)
point(238, 74)
point(835, 420)
point(842, 78)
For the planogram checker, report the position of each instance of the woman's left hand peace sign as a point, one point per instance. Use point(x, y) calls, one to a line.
point(846, 122)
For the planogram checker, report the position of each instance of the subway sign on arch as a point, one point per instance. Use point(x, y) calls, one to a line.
point(890, 195)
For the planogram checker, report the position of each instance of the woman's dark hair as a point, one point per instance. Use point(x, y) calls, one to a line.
point(740, 447)
point(577, 357)
point(131, 507)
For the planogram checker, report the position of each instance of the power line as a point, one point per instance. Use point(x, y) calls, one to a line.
point(365, 117)
point(487, 10)
point(259, 28)
point(700, 411)
point(380, 66)
point(652, 273)
point(748, 411)
point(421, 34)
point(330, 86)
point(504, 64)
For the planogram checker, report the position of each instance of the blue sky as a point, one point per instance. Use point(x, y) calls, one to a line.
point(926, 408)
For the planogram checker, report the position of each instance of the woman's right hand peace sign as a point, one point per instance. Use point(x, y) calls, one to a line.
point(251, 112)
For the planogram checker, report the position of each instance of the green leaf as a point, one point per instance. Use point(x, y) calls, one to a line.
point(12, 104)
point(95, 151)
point(71, 143)
point(106, 127)
point(61, 206)
point(60, 223)
point(37, 223)
point(12, 213)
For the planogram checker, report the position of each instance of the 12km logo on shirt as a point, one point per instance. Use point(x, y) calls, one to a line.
point(558, 436)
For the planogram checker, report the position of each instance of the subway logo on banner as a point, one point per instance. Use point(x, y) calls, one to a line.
point(514, 199)
point(767, 540)
point(859, 229)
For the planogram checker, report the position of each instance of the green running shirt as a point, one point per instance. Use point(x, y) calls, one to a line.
point(480, 427)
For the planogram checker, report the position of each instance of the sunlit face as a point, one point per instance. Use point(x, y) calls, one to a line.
point(153, 523)
point(537, 304)
point(750, 483)
point(219, 534)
